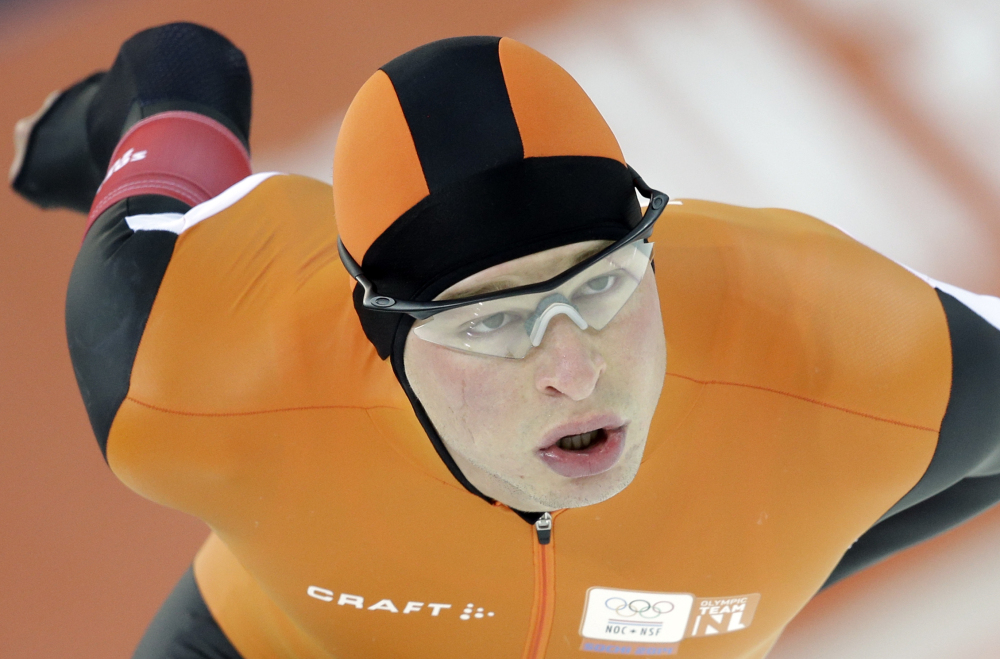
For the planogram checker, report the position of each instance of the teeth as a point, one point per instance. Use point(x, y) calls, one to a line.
point(577, 442)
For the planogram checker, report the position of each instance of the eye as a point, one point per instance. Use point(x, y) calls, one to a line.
point(490, 323)
point(598, 285)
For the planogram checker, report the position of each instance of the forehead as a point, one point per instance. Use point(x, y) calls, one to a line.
point(528, 269)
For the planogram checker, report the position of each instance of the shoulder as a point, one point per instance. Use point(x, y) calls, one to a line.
point(781, 300)
point(255, 312)
point(252, 345)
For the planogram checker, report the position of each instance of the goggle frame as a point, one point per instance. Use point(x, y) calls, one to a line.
point(373, 301)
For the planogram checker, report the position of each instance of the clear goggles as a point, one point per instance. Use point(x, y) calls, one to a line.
point(511, 326)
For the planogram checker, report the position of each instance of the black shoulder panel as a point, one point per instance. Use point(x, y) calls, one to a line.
point(948, 493)
point(184, 628)
point(455, 101)
point(111, 291)
point(958, 503)
point(970, 430)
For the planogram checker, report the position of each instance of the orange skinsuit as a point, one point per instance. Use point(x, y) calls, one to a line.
point(816, 393)
point(807, 380)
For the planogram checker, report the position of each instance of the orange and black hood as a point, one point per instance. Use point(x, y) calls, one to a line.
point(465, 153)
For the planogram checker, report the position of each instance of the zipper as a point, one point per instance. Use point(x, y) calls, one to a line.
point(543, 607)
point(543, 528)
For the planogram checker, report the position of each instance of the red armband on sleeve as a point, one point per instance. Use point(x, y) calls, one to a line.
point(184, 155)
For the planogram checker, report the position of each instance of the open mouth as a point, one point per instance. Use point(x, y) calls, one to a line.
point(582, 441)
point(587, 453)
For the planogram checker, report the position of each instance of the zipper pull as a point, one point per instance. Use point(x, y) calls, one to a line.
point(543, 527)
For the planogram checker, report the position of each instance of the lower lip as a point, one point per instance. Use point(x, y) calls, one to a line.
point(593, 460)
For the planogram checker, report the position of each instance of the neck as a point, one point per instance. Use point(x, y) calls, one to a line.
point(497, 488)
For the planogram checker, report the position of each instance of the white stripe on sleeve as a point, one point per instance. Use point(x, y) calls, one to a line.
point(177, 223)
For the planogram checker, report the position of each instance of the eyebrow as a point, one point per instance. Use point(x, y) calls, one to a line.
point(504, 283)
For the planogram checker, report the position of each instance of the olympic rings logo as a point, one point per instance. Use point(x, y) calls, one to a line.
point(640, 608)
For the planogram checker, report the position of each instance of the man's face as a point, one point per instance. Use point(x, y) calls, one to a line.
point(512, 425)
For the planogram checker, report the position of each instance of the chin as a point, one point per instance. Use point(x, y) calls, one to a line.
point(590, 490)
point(580, 492)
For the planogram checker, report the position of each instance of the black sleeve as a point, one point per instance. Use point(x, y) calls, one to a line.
point(184, 628)
point(111, 291)
point(963, 478)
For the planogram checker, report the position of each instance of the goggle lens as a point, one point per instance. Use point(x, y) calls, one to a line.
point(509, 327)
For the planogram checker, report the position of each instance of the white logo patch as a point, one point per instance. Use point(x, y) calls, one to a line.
point(635, 616)
point(643, 623)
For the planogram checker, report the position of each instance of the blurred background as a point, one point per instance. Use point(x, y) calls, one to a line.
point(879, 116)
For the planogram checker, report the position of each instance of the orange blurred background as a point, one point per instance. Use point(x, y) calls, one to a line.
point(879, 116)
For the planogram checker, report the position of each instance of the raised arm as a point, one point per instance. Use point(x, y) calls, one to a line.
point(165, 129)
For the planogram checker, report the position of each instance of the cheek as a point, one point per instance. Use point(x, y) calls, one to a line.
point(458, 386)
point(467, 383)
point(640, 319)
point(636, 344)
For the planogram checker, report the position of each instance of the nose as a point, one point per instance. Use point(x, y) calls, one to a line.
point(566, 363)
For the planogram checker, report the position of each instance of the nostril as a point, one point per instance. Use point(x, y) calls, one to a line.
point(575, 376)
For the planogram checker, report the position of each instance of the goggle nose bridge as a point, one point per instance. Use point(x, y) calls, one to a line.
point(550, 307)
